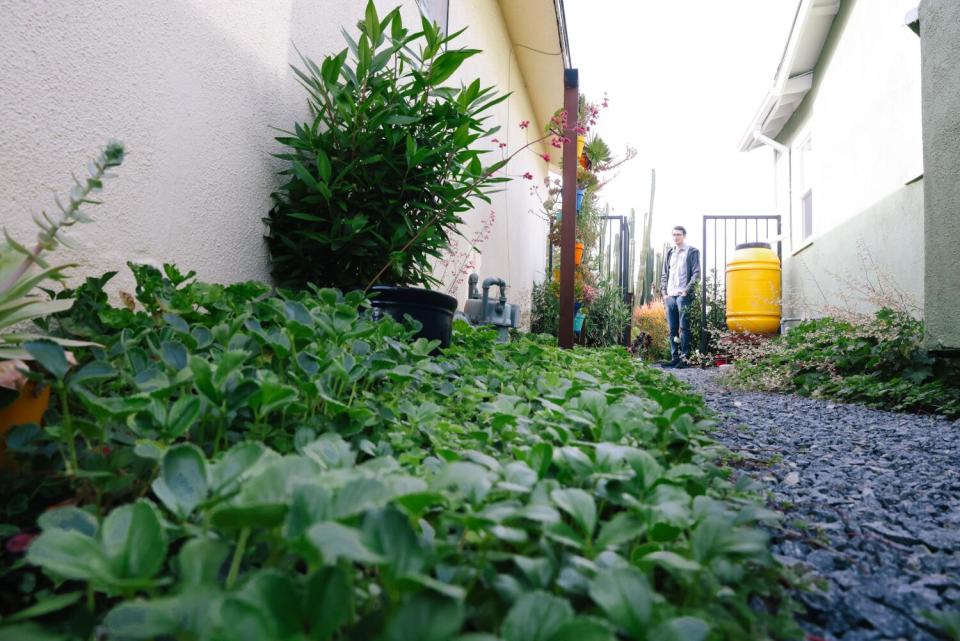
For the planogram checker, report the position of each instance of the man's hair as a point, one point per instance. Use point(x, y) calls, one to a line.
point(681, 228)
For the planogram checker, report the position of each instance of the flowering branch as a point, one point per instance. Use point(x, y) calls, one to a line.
point(455, 256)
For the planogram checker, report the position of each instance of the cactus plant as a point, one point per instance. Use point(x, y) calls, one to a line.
point(647, 275)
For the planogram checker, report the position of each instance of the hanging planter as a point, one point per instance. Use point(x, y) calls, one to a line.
point(581, 143)
point(580, 193)
point(578, 322)
point(578, 254)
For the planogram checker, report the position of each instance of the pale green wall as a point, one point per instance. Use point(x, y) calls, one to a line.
point(865, 261)
point(867, 248)
point(940, 50)
point(802, 115)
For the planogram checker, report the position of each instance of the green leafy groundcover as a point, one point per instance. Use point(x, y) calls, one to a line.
point(241, 464)
point(880, 362)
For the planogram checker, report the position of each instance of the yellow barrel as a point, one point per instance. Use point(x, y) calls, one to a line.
point(753, 290)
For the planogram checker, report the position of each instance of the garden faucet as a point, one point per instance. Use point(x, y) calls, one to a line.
point(502, 284)
point(480, 310)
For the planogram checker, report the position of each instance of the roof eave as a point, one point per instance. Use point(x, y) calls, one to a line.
point(776, 109)
point(538, 35)
point(794, 79)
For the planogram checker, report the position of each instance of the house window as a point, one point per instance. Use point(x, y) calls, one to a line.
point(436, 10)
point(806, 207)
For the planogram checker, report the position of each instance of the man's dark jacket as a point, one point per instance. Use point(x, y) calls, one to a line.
point(693, 270)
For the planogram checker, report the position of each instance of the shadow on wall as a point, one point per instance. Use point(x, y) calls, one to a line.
point(191, 87)
point(860, 265)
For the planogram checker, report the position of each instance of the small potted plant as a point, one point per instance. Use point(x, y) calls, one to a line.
point(376, 182)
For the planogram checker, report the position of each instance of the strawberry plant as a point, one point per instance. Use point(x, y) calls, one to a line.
point(256, 464)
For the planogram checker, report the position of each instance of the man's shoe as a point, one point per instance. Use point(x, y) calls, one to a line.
point(672, 363)
point(680, 365)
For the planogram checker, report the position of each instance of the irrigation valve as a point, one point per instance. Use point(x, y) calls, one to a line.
point(481, 310)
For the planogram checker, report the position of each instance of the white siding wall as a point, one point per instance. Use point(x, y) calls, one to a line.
point(192, 87)
point(865, 121)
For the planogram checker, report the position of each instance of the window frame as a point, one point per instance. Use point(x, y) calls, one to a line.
point(804, 174)
point(806, 215)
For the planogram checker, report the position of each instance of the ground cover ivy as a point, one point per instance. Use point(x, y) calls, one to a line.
point(878, 362)
point(235, 463)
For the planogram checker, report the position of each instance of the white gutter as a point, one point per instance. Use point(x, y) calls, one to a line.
point(770, 142)
point(794, 78)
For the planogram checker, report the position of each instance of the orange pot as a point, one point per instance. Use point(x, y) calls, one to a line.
point(28, 408)
point(578, 254)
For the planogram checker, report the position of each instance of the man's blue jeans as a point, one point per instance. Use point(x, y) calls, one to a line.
point(678, 321)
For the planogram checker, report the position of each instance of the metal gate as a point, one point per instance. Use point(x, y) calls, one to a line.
point(721, 235)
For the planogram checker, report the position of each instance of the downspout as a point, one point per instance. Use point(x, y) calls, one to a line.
point(783, 149)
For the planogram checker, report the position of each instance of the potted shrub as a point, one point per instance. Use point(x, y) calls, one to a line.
point(376, 182)
point(22, 272)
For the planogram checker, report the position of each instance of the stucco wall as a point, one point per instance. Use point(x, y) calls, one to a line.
point(516, 247)
point(864, 261)
point(863, 115)
point(192, 87)
point(940, 41)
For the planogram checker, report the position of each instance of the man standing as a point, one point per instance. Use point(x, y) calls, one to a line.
point(681, 272)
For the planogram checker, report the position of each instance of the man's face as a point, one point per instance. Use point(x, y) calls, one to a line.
point(678, 237)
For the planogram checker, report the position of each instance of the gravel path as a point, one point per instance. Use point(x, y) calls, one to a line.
point(871, 500)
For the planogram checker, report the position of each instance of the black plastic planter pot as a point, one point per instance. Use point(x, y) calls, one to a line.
point(433, 309)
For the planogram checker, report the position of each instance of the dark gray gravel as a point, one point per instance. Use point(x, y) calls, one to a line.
point(871, 502)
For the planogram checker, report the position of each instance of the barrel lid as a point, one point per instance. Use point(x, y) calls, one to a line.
point(753, 245)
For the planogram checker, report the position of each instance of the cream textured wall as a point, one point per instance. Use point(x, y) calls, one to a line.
point(516, 247)
point(192, 88)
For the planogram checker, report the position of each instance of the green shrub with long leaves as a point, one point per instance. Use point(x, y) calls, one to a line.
point(716, 320)
point(608, 316)
point(244, 464)
point(375, 184)
point(545, 308)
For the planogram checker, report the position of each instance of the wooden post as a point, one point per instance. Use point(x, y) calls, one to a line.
point(568, 223)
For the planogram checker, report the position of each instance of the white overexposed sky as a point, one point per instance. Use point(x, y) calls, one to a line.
point(684, 80)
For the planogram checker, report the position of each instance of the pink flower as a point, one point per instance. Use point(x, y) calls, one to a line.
point(18, 543)
point(527, 175)
point(546, 157)
point(524, 124)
